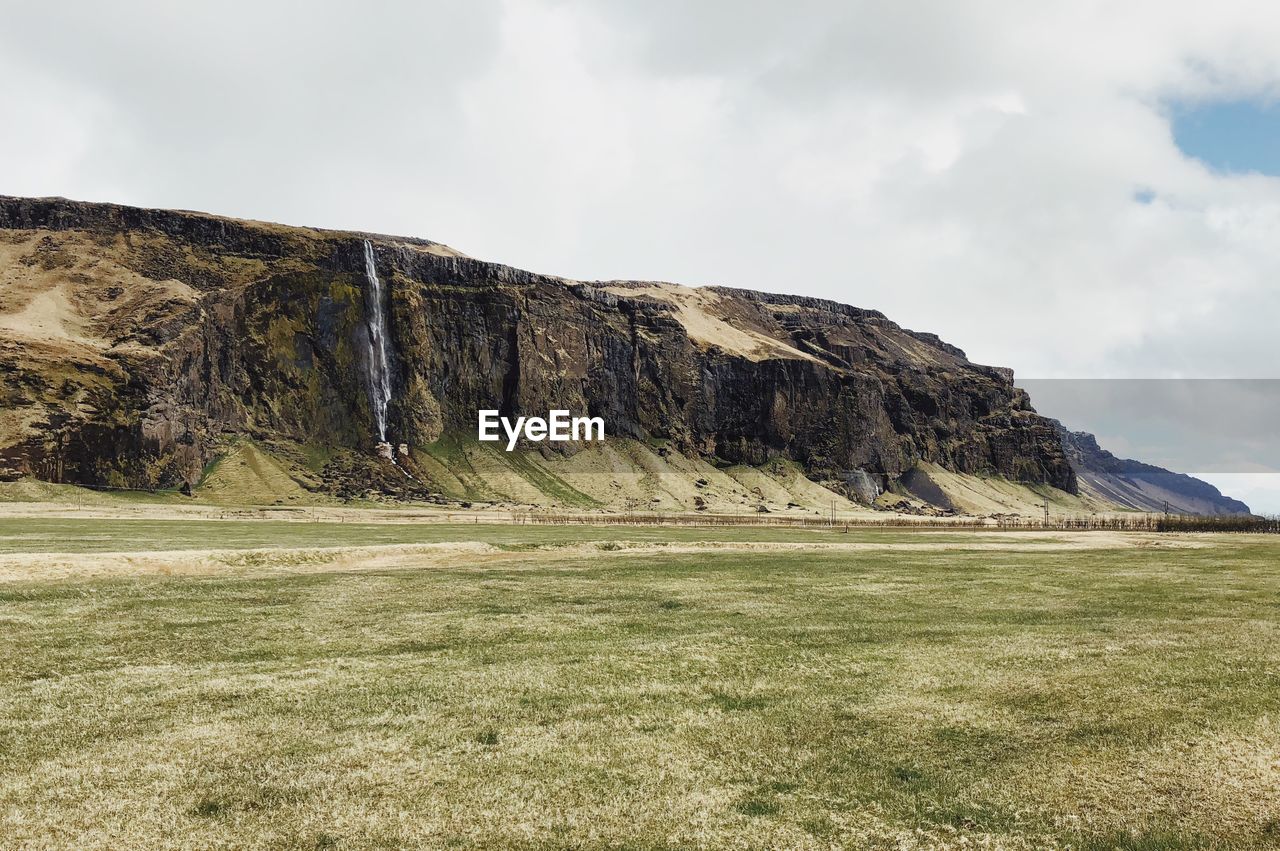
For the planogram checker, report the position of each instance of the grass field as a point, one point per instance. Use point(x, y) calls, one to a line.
point(76, 536)
point(559, 695)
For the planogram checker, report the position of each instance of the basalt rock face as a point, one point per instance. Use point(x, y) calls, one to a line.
point(133, 343)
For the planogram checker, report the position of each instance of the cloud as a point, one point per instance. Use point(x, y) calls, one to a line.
point(1001, 173)
point(1209, 425)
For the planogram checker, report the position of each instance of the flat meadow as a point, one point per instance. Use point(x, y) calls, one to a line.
point(253, 684)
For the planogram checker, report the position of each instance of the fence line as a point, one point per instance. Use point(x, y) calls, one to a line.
point(1115, 523)
point(1135, 523)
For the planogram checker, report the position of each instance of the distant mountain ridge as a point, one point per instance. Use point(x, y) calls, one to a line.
point(1140, 486)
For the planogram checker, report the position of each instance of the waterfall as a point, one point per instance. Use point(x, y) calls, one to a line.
point(379, 357)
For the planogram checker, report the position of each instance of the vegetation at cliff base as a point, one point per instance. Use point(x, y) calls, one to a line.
point(567, 688)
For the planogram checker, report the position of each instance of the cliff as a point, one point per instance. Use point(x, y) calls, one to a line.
point(134, 344)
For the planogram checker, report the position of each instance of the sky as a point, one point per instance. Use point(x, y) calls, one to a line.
point(1233, 136)
point(1081, 190)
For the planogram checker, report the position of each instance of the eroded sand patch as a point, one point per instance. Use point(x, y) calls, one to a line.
point(696, 309)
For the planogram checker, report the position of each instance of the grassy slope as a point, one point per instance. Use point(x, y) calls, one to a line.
point(1095, 698)
point(246, 475)
point(983, 495)
point(34, 490)
point(623, 474)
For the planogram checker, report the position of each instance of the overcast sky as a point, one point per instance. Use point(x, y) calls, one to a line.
point(1005, 174)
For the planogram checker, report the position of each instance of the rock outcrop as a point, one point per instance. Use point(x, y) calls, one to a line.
point(134, 343)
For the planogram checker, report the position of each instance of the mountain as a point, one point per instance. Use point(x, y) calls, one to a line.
point(144, 348)
point(1139, 486)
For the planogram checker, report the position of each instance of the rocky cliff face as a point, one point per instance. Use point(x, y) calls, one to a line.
point(134, 342)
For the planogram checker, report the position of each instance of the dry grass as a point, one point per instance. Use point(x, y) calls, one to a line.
point(247, 476)
point(558, 688)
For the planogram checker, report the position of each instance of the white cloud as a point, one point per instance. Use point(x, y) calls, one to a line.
point(1259, 491)
point(970, 169)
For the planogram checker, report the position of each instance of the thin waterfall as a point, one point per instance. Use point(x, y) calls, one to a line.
point(379, 357)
